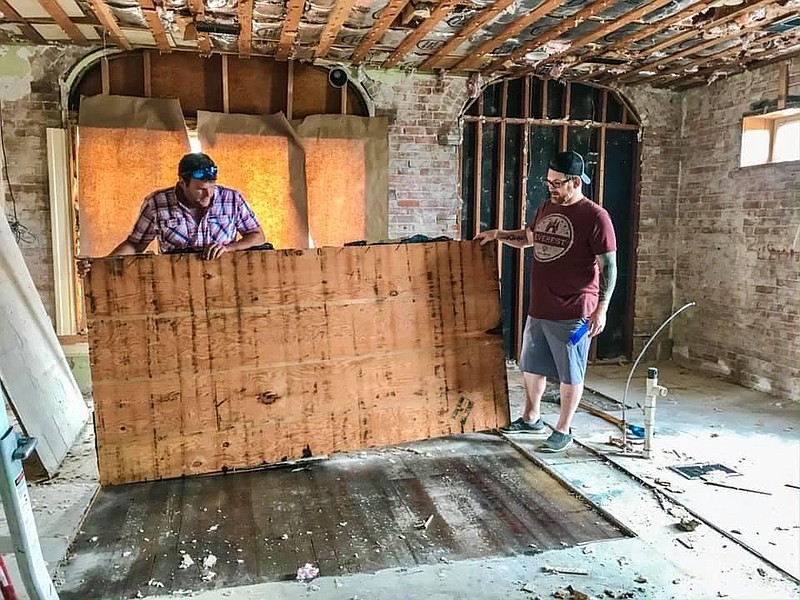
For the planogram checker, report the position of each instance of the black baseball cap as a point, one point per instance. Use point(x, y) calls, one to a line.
point(570, 163)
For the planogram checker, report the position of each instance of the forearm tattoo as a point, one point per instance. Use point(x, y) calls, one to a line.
point(608, 272)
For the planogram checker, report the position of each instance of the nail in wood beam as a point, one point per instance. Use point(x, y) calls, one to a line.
point(109, 23)
point(245, 28)
point(336, 19)
point(440, 12)
point(565, 25)
point(512, 29)
point(156, 26)
point(291, 21)
point(378, 29)
point(12, 16)
point(476, 23)
point(61, 18)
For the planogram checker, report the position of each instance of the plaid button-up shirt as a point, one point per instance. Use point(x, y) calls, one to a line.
point(164, 217)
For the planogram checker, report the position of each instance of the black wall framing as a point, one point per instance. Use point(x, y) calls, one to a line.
point(510, 133)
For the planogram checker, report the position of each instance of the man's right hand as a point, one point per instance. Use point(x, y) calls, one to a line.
point(489, 235)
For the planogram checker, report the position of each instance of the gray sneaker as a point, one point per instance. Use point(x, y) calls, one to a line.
point(522, 426)
point(557, 442)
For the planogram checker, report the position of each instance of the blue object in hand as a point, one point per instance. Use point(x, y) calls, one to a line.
point(578, 334)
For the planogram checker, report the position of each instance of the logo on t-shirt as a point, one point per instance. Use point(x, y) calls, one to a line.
point(552, 237)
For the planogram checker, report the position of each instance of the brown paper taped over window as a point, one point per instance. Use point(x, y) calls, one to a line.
point(127, 148)
point(262, 157)
point(347, 176)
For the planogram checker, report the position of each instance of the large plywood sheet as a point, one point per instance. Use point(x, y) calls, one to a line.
point(264, 356)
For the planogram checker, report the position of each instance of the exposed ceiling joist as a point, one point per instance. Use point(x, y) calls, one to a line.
point(610, 27)
point(12, 16)
point(154, 23)
point(378, 29)
point(646, 31)
point(198, 10)
point(109, 23)
point(61, 18)
point(245, 12)
point(291, 21)
point(440, 12)
point(335, 21)
point(704, 60)
point(692, 33)
point(476, 57)
point(478, 21)
point(551, 34)
point(635, 76)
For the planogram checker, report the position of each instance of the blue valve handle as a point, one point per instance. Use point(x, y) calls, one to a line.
point(578, 334)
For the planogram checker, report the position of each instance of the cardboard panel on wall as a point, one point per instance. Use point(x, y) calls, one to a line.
point(347, 161)
point(263, 158)
point(127, 148)
point(263, 356)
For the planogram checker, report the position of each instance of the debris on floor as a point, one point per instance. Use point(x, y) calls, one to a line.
point(186, 561)
point(687, 524)
point(564, 570)
point(307, 572)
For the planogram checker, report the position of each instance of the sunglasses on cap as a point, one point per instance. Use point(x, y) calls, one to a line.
point(204, 174)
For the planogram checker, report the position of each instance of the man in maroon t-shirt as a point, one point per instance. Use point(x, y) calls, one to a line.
point(573, 274)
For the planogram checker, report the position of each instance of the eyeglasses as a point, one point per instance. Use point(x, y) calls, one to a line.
point(204, 174)
point(555, 184)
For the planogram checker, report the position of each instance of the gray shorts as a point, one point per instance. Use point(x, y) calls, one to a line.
point(546, 350)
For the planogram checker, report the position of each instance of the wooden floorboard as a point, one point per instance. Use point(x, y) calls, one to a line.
point(357, 512)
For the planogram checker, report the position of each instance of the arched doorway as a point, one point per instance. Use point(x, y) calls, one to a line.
point(510, 133)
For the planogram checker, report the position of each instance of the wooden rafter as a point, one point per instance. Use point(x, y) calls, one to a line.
point(610, 27)
point(512, 29)
point(646, 31)
point(245, 13)
point(109, 23)
point(336, 19)
point(156, 26)
point(378, 29)
point(565, 25)
point(440, 12)
point(476, 23)
point(704, 60)
point(765, 57)
point(198, 10)
point(61, 18)
point(634, 75)
point(12, 16)
point(291, 21)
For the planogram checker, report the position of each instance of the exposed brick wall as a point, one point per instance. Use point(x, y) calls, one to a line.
point(736, 227)
point(423, 174)
point(31, 100)
point(660, 113)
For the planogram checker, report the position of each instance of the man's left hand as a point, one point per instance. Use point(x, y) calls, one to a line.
point(214, 251)
point(597, 321)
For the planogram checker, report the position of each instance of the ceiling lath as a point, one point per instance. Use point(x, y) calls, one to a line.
point(61, 18)
point(377, 31)
point(440, 12)
point(476, 23)
point(154, 23)
point(245, 12)
point(291, 21)
point(109, 23)
point(335, 21)
point(514, 28)
point(12, 16)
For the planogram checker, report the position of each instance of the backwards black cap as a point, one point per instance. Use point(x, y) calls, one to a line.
point(570, 163)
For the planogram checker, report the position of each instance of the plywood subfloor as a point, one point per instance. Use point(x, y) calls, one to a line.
point(352, 513)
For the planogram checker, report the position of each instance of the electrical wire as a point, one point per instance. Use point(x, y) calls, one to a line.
point(21, 233)
point(636, 364)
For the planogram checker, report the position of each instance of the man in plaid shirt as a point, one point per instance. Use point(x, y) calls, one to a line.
point(194, 214)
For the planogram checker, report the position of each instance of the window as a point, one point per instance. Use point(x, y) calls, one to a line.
point(771, 138)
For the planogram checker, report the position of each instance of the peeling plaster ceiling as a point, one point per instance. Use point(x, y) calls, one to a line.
point(672, 43)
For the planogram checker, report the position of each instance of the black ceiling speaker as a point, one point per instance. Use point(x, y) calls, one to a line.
point(337, 77)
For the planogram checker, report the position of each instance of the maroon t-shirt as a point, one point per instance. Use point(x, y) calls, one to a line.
point(565, 276)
